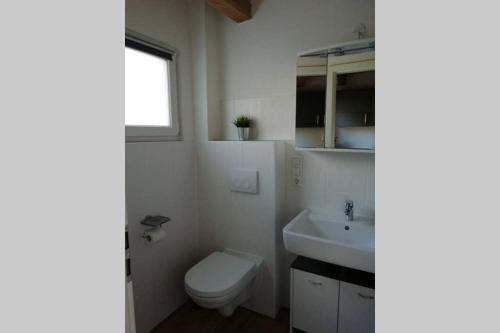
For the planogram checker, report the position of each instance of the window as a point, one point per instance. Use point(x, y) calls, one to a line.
point(150, 90)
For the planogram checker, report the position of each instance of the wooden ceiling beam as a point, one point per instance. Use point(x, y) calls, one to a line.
point(237, 10)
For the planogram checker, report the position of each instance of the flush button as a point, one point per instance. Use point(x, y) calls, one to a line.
point(243, 180)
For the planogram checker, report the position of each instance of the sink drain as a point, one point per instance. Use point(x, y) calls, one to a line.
point(347, 227)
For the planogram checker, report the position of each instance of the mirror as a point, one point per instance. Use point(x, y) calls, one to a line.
point(310, 102)
point(355, 110)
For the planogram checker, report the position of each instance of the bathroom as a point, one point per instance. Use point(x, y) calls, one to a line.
point(226, 69)
point(229, 166)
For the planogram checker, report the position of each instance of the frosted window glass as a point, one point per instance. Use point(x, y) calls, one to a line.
point(147, 98)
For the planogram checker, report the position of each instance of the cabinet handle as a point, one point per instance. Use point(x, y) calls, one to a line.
point(315, 283)
point(366, 296)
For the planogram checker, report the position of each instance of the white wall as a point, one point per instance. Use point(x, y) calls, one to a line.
point(259, 57)
point(328, 180)
point(160, 178)
point(248, 67)
point(240, 221)
point(198, 43)
point(206, 64)
point(258, 78)
point(159, 181)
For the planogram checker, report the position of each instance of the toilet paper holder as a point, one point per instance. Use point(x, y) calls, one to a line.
point(155, 221)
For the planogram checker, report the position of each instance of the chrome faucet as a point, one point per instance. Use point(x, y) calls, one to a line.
point(349, 210)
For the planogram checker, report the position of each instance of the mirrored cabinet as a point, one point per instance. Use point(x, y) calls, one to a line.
point(335, 98)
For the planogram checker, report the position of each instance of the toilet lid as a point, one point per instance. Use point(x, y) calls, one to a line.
point(219, 274)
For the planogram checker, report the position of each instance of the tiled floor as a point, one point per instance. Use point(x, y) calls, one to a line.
point(192, 319)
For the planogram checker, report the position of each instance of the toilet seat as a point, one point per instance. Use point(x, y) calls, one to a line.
point(219, 275)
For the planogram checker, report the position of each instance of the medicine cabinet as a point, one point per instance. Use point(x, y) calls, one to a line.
point(335, 98)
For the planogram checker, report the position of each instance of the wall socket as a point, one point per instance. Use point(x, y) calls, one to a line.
point(296, 167)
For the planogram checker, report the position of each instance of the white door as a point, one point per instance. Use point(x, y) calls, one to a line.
point(356, 309)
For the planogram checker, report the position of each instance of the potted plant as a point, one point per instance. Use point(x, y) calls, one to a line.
point(242, 123)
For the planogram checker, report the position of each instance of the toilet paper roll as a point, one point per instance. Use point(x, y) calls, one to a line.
point(154, 235)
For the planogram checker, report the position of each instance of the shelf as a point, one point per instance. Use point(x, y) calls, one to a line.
point(338, 150)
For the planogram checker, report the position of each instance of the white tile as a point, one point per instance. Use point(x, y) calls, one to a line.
point(228, 115)
point(277, 114)
point(329, 179)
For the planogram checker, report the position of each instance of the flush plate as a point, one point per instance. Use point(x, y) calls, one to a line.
point(243, 180)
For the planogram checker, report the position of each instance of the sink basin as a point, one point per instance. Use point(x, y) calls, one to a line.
point(332, 239)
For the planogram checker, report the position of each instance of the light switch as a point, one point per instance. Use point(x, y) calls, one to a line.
point(243, 180)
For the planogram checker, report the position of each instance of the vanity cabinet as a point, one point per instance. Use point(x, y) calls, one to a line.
point(327, 298)
point(357, 313)
point(315, 301)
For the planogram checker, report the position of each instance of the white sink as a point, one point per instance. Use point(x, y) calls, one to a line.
point(334, 240)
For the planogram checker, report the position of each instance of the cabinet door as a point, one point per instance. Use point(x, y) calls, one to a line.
point(356, 309)
point(310, 110)
point(314, 302)
point(335, 70)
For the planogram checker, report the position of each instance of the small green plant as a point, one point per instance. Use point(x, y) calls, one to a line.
point(242, 121)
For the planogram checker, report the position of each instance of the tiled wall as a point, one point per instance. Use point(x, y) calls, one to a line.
point(159, 181)
point(331, 178)
point(273, 116)
point(160, 178)
point(240, 221)
point(254, 223)
point(328, 180)
point(258, 79)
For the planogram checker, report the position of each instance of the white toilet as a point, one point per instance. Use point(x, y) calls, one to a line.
point(223, 280)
